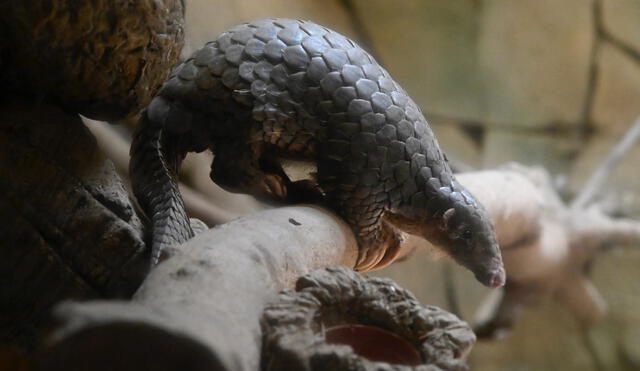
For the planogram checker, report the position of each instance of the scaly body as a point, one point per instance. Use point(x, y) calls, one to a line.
point(282, 88)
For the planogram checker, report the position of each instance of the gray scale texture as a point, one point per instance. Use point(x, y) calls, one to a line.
point(280, 87)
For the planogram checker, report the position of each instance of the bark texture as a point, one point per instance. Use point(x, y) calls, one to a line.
point(205, 301)
point(101, 58)
point(295, 325)
point(68, 229)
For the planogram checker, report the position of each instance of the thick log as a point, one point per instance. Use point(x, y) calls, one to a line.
point(204, 303)
point(594, 185)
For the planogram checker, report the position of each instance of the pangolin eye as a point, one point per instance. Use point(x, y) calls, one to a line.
point(467, 234)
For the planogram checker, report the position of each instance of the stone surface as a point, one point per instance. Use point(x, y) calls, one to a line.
point(620, 18)
point(458, 145)
point(617, 96)
point(430, 48)
point(546, 329)
point(535, 59)
point(553, 151)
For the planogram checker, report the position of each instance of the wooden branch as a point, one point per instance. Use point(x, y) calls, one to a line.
point(546, 245)
point(593, 185)
point(203, 303)
point(198, 206)
point(593, 229)
point(583, 299)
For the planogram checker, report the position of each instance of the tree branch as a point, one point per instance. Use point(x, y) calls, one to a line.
point(204, 303)
point(593, 185)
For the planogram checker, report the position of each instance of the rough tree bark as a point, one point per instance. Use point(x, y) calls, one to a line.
point(206, 300)
point(68, 229)
point(307, 328)
point(101, 58)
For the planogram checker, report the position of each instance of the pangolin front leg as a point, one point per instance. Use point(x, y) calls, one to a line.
point(236, 168)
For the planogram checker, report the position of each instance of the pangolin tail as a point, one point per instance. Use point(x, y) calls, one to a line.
point(153, 170)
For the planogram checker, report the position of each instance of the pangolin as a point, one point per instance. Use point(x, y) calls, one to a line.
point(287, 89)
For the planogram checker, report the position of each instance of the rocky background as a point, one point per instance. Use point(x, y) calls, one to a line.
point(541, 82)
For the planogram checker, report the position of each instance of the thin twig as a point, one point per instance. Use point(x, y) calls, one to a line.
point(625, 48)
point(593, 185)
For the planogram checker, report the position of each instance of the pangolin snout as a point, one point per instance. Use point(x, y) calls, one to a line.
point(494, 278)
